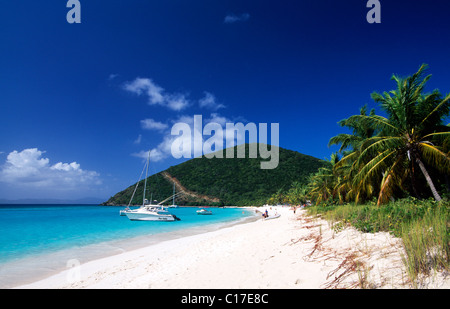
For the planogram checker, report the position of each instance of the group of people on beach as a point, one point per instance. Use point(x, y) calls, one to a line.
point(266, 213)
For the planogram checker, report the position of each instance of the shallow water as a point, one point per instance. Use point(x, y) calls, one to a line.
point(39, 240)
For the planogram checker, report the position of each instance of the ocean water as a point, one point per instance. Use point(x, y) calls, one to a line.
point(38, 240)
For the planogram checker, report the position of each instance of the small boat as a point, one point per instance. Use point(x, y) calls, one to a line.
point(272, 217)
point(123, 212)
point(204, 212)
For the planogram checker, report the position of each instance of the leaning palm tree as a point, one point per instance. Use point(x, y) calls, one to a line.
point(410, 139)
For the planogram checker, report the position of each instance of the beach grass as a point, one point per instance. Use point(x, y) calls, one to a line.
point(422, 225)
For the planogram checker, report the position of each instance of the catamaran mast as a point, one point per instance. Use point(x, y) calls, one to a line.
point(145, 182)
point(173, 201)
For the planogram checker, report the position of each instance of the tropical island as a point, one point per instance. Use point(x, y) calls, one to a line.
point(347, 105)
point(376, 215)
point(391, 174)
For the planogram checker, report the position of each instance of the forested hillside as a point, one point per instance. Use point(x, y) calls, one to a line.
point(224, 181)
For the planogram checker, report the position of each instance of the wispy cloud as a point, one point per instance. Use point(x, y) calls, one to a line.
point(164, 149)
point(150, 124)
point(138, 140)
point(156, 94)
point(155, 155)
point(209, 101)
point(232, 18)
point(112, 76)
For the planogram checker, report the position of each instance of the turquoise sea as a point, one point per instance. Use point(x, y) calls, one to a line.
point(38, 240)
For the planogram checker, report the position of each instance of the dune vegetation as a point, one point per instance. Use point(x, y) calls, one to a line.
point(391, 173)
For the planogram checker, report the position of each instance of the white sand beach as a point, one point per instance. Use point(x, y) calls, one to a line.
point(290, 252)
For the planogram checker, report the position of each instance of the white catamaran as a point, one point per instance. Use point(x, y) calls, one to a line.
point(148, 211)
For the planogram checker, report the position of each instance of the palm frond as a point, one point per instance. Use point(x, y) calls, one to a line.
point(445, 101)
point(346, 141)
point(376, 121)
point(378, 145)
point(390, 181)
point(434, 156)
point(375, 166)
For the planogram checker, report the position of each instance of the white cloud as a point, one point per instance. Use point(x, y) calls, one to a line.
point(222, 120)
point(164, 149)
point(74, 166)
point(209, 101)
point(156, 95)
point(232, 18)
point(155, 155)
point(28, 168)
point(24, 164)
point(112, 76)
point(160, 152)
point(176, 101)
point(138, 139)
point(150, 124)
point(148, 87)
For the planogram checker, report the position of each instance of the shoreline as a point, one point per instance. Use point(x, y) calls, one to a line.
point(290, 252)
point(42, 266)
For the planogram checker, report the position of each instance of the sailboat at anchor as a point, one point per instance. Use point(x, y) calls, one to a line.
point(148, 211)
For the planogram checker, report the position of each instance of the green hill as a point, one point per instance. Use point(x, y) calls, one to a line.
point(218, 181)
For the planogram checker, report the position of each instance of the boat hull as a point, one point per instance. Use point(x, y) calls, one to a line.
point(204, 212)
point(136, 216)
point(272, 217)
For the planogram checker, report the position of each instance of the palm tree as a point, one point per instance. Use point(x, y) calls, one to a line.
point(411, 137)
point(297, 193)
point(321, 185)
point(362, 129)
point(277, 198)
point(347, 168)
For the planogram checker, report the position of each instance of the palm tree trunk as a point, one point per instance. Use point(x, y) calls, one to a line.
point(436, 195)
point(413, 180)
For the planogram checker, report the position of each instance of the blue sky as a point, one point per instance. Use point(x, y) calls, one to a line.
point(80, 103)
